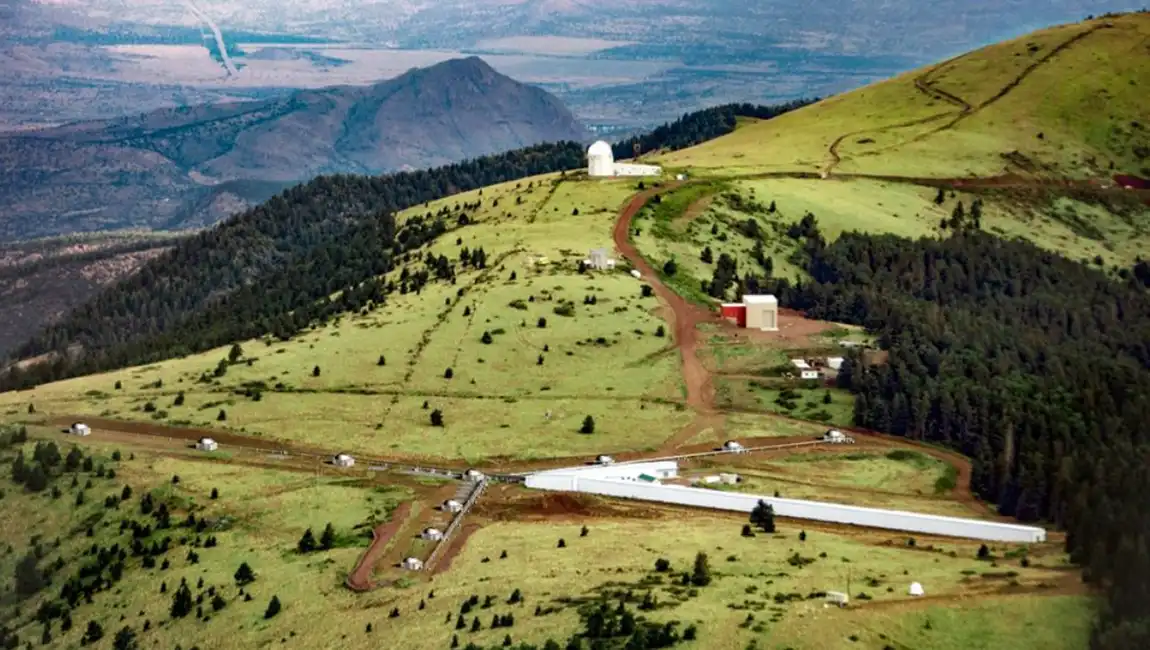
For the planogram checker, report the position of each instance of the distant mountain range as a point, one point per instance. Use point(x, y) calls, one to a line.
point(190, 167)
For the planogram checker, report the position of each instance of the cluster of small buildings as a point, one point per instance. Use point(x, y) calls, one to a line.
point(818, 368)
point(756, 312)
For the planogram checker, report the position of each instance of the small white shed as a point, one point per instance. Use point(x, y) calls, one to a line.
point(835, 363)
point(413, 564)
point(915, 589)
point(342, 460)
point(473, 475)
point(635, 274)
point(451, 505)
point(838, 598)
point(604, 460)
point(432, 534)
point(732, 445)
point(800, 363)
point(809, 373)
point(835, 436)
point(729, 479)
point(80, 429)
point(207, 444)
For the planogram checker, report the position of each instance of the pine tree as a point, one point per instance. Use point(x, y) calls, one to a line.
point(244, 575)
point(327, 539)
point(306, 543)
point(181, 602)
point(273, 607)
point(588, 425)
point(763, 516)
point(29, 578)
point(701, 575)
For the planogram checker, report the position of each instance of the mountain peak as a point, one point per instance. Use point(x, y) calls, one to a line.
point(470, 68)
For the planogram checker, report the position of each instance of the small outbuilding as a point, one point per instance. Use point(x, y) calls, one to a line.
point(473, 475)
point(342, 460)
point(599, 259)
point(838, 598)
point(604, 460)
point(80, 429)
point(432, 534)
point(413, 564)
point(207, 444)
point(635, 274)
point(451, 505)
point(733, 445)
point(836, 437)
point(728, 479)
point(808, 373)
point(915, 589)
point(801, 364)
point(835, 363)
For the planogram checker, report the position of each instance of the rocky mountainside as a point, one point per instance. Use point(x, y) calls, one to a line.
point(190, 167)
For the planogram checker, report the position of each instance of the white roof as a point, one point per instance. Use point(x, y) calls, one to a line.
point(343, 456)
point(206, 440)
point(800, 363)
point(760, 300)
point(916, 589)
point(732, 444)
point(600, 148)
point(451, 502)
point(431, 531)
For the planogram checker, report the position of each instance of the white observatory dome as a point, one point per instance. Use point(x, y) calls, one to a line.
point(600, 160)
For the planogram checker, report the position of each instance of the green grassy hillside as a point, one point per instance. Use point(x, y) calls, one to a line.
point(1068, 101)
point(549, 351)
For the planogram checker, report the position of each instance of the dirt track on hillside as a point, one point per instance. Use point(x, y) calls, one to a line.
point(360, 577)
point(685, 316)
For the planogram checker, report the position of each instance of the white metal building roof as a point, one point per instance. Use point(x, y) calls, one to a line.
point(760, 300)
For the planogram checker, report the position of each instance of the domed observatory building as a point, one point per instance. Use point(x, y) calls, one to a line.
point(601, 164)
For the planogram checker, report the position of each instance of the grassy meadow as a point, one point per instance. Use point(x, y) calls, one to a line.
point(513, 355)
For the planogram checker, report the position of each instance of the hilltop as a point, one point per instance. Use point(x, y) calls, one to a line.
point(190, 167)
point(1060, 102)
point(1043, 132)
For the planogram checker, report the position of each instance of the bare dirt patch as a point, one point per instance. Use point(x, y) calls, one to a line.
point(455, 546)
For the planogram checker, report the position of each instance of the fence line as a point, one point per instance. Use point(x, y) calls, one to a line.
point(455, 523)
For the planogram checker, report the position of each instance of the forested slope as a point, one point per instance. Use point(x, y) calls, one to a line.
point(1034, 365)
point(272, 268)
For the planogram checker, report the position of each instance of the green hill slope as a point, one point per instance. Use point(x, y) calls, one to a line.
point(1066, 101)
point(1042, 132)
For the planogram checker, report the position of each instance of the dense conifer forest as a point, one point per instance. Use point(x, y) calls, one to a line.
point(1034, 365)
point(270, 269)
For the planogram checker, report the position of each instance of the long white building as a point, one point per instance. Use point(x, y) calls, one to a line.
point(601, 163)
point(630, 481)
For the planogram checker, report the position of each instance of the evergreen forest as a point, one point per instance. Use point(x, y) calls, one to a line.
point(1034, 365)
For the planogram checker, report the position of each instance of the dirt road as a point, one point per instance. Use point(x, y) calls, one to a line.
point(685, 316)
point(360, 577)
